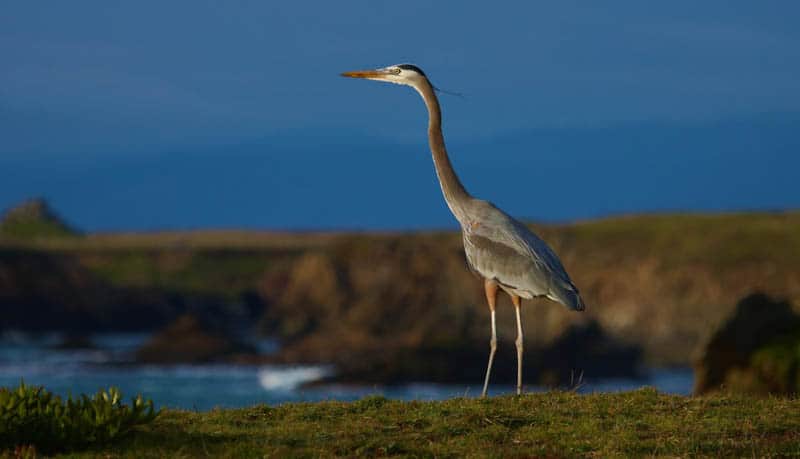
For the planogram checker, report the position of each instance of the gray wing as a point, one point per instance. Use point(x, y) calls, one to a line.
point(500, 248)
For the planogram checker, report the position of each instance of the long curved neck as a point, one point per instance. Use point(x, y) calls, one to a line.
point(454, 192)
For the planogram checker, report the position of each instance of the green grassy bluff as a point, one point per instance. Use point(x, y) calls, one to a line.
point(553, 424)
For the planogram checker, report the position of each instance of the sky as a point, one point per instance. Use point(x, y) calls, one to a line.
point(187, 114)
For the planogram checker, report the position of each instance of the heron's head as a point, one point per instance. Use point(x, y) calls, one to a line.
point(406, 74)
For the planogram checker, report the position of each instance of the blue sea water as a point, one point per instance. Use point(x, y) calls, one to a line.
point(203, 387)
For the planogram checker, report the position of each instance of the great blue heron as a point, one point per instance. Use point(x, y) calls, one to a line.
point(499, 248)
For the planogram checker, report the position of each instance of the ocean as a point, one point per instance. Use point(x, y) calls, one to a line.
point(36, 360)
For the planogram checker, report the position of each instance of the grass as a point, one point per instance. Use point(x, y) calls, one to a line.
point(722, 240)
point(226, 273)
point(205, 239)
point(170, 258)
point(554, 424)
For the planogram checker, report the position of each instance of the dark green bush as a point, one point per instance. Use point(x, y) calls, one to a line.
point(776, 365)
point(31, 415)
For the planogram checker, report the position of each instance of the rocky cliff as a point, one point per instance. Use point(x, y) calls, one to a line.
point(655, 286)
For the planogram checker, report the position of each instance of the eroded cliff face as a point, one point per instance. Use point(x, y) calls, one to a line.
point(53, 290)
point(660, 284)
point(44, 291)
point(663, 291)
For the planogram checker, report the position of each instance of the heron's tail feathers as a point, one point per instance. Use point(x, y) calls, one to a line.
point(577, 303)
point(569, 297)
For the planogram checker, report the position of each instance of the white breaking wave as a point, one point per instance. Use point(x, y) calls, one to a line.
point(275, 378)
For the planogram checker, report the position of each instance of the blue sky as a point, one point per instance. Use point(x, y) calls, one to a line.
point(149, 115)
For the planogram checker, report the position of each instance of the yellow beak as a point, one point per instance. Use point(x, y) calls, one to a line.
point(365, 74)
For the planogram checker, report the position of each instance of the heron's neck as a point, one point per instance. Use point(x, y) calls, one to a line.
point(454, 192)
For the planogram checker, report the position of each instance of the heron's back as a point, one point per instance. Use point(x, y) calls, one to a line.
point(502, 249)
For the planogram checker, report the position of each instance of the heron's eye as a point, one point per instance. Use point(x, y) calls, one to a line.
point(396, 71)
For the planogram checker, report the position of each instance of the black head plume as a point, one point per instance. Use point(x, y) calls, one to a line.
point(412, 67)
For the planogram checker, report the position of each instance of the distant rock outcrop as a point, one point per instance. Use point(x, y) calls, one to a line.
point(186, 340)
point(587, 351)
point(33, 218)
point(756, 351)
point(75, 341)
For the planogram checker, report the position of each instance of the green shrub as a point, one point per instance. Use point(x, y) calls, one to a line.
point(777, 364)
point(31, 415)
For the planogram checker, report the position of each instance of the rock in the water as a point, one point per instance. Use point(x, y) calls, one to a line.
point(587, 351)
point(75, 341)
point(756, 351)
point(187, 341)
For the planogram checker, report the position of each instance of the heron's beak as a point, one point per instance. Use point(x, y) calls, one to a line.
point(377, 74)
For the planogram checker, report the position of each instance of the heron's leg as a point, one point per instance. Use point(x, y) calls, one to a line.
point(518, 305)
point(491, 297)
